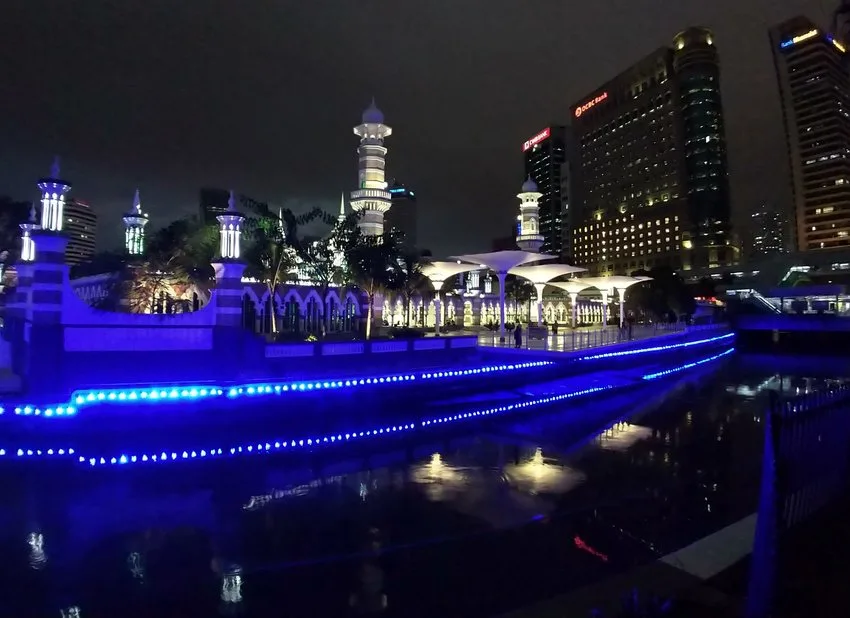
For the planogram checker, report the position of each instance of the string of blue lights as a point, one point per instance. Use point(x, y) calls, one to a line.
point(177, 393)
point(279, 445)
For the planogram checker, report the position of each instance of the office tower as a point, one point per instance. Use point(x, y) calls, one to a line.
point(815, 92)
point(80, 224)
point(768, 233)
point(651, 157)
point(545, 161)
point(403, 214)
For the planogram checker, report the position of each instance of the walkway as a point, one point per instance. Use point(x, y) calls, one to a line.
point(581, 339)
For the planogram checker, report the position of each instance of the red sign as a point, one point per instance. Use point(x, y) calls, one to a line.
point(594, 101)
point(536, 139)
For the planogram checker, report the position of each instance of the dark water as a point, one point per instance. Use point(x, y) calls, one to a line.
point(468, 523)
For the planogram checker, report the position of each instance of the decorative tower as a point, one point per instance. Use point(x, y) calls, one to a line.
point(371, 199)
point(53, 192)
point(27, 243)
point(341, 217)
point(529, 237)
point(134, 228)
point(229, 268)
point(230, 227)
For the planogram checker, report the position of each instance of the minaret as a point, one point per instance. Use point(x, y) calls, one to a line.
point(371, 199)
point(529, 238)
point(341, 216)
point(134, 228)
point(230, 227)
point(53, 192)
point(27, 243)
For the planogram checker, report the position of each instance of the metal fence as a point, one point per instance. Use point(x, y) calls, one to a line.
point(805, 466)
point(581, 339)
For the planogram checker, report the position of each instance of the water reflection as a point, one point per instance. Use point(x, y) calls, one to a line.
point(542, 475)
point(37, 555)
point(581, 493)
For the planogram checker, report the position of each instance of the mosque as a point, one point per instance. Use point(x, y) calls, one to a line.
point(477, 284)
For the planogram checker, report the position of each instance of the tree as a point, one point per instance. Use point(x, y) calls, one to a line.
point(373, 263)
point(176, 255)
point(519, 290)
point(409, 279)
point(320, 259)
point(666, 293)
point(12, 214)
point(273, 247)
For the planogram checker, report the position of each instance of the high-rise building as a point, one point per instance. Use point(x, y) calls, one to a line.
point(651, 160)
point(768, 233)
point(213, 202)
point(545, 163)
point(80, 224)
point(403, 214)
point(371, 199)
point(815, 91)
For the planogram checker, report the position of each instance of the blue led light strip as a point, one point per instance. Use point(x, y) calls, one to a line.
point(659, 348)
point(667, 372)
point(330, 439)
point(170, 394)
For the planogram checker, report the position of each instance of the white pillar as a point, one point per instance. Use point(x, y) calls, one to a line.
point(502, 276)
point(539, 287)
point(438, 310)
point(574, 307)
point(622, 293)
point(605, 309)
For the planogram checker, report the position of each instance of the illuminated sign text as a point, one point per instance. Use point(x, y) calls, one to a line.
point(594, 101)
point(799, 38)
point(536, 139)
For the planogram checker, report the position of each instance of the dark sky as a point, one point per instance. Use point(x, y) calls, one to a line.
point(261, 95)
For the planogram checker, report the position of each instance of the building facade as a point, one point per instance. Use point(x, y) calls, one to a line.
point(768, 233)
point(546, 164)
point(81, 226)
point(651, 160)
point(403, 214)
point(815, 92)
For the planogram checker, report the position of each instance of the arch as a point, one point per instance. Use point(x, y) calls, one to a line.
point(355, 302)
point(468, 317)
point(293, 296)
point(252, 294)
point(314, 296)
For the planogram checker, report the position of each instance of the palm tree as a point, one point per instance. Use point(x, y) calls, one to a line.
point(373, 264)
point(520, 291)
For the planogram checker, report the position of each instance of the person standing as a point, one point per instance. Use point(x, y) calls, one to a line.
point(518, 335)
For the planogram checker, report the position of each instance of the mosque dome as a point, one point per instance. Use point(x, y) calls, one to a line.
point(372, 115)
point(529, 186)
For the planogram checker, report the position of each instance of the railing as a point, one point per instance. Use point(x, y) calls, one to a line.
point(764, 302)
point(571, 340)
point(805, 466)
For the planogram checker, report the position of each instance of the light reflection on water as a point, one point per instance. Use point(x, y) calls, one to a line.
point(678, 468)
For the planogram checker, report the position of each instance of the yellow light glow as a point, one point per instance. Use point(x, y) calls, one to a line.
point(839, 46)
point(687, 244)
point(805, 36)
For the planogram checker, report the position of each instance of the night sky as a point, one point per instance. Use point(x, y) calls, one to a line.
point(260, 96)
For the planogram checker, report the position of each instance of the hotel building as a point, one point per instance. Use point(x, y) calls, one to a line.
point(815, 93)
point(651, 164)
